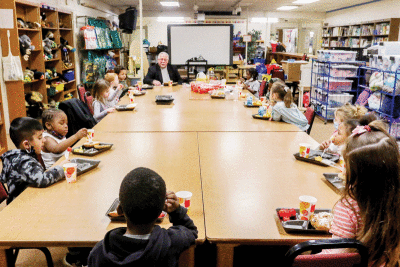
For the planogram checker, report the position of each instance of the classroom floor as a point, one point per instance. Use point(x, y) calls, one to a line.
point(31, 257)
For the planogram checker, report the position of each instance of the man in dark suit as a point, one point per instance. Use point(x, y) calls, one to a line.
point(162, 72)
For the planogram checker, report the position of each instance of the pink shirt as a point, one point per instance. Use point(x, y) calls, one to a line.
point(346, 219)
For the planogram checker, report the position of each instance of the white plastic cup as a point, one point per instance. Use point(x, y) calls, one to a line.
point(307, 207)
point(70, 171)
point(90, 135)
point(131, 98)
point(184, 198)
point(304, 150)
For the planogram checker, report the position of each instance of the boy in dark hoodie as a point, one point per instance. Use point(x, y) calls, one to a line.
point(21, 167)
point(142, 198)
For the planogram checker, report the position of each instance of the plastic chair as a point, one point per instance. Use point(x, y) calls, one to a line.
point(360, 259)
point(81, 93)
point(89, 101)
point(310, 115)
point(12, 253)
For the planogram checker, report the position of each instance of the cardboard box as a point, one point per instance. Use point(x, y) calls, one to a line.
point(292, 70)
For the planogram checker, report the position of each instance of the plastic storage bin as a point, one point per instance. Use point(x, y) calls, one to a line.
point(330, 115)
point(336, 55)
point(337, 100)
point(342, 71)
point(337, 85)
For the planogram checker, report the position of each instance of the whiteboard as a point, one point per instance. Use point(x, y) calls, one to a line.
point(213, 42)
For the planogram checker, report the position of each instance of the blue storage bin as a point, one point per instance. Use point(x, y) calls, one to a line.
point(69, 75)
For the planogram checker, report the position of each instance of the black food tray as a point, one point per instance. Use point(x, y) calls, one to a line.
point(316, 153)
point(334, 180)
point(256, 116)
point(148, 87)
point(91, 151)
point(300, 226)
point(250, 106)
point(114, 206)
point(85, 165)
point(164, 99)
point(140, 93)
point(123, 108)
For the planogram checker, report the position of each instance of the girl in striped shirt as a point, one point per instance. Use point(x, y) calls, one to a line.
point(369, 209)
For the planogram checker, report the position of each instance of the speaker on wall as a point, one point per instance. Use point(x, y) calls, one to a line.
point(127, 20)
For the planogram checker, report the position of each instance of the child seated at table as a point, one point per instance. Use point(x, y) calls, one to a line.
point(343, 113)
point(251, 83)
point(55, 123)
point(101, 107)
point(20, 166)
point(369, 209)
point(143, 197)
point(116, 88)
point(284, 108)
point(121, 71)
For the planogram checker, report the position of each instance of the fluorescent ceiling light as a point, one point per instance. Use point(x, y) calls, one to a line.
point(287, 7)
point(170, 19)
point(265, 20)
point(304, 1)
point(169, 3)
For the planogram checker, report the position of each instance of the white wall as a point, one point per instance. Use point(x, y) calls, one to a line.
point(373, 11)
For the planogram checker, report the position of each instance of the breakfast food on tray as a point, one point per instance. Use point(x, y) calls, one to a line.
point(78, 150)
point(102, 146)
point(257, 103)
point(322, 221)
point(113, 213)
point(287, 214)
point(319, 158)
point(90, 144)
point(218, 93)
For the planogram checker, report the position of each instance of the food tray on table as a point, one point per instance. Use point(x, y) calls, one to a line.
point(147, 87)
point(295, 226)
point(114, 216)
point(173, 84)
point(126, 107)
point(256, 116)
point(91, 151)
point(251, 106)
point(327, 159)
point(85, 165)
point(218, 96)
point(164, 99)
point(335, 180)
point(139, 93)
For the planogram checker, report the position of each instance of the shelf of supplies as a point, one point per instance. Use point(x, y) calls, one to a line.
point(65, 29)
point(33, 81)
point(52, 60)
point(71, 68)
point(50, 28)
point(28, 30)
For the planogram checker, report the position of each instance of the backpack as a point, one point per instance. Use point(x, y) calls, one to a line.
point(78, 115)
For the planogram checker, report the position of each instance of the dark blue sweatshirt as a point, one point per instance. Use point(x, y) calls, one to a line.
point(163, 248)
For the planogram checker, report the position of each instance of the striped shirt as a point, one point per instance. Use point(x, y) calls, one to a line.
point(346, 219)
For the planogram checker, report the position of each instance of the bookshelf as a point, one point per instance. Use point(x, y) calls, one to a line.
point(31, 12)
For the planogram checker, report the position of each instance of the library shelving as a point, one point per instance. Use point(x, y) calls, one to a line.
point(358, 36)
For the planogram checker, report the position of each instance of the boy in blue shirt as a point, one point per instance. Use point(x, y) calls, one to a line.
point(143, 197)
point(21, 167)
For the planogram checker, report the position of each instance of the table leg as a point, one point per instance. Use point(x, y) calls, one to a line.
point(187, 258)
point(225, 254)
point(3, 258)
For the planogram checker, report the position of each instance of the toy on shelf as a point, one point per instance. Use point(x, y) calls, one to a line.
point(65, 48)
point(26, 46)
point(21, 24)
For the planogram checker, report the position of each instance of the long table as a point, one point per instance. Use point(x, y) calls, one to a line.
point(238, 168)
point(187, 115)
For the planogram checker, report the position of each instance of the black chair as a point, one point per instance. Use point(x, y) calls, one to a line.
point(294, 258)
point(12, 253)
point(310, 115)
